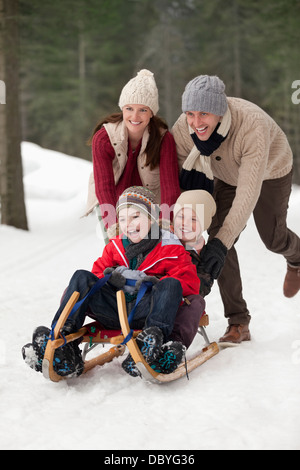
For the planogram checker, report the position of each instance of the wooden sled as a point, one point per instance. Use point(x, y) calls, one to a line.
point(149, 374)
point(92, 334)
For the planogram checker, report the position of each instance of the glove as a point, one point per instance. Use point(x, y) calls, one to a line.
point(152, 279)
point(116, 279)
point(213, 257)
point(206, 282)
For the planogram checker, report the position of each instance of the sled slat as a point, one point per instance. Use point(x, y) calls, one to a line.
point(102, 359)
point(146, 371)
point(132, 346)
point(47, 366)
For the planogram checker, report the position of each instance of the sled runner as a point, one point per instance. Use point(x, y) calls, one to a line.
point(92, 334)
point(149, 374)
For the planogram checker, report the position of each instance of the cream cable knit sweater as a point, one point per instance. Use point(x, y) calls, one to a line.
point(256, 149)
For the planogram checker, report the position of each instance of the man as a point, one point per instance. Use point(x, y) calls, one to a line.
point(232, 148)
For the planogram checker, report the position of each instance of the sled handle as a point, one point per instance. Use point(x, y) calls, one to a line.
point(132, 346)
point(65, 313)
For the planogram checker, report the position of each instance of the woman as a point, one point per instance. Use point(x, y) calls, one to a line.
point(134, 147)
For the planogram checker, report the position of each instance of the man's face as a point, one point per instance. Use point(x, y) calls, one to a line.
point(203, 124)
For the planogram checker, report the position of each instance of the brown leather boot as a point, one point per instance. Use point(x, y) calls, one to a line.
point(291, 284)
point(236, 334)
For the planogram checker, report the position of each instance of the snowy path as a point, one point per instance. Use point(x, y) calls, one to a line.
point(244, 398)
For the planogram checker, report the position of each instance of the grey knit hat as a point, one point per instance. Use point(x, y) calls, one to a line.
point(205, 93)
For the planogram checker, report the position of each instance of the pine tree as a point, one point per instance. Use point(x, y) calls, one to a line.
point(13, 210)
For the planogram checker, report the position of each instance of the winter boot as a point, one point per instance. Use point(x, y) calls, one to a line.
point(33, 353)
point(291, 285)
point(149, 342)
point(30, 357)
point(169, 357)
point(67, 360)
point(236, 334)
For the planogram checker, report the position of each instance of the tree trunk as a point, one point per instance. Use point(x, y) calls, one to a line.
point(13, 210)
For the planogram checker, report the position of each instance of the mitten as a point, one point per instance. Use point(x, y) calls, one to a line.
point(213, 257)
point(116, 279)
point(108, 270)
point(153, 279)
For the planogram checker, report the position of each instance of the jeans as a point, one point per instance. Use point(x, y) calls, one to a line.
point(158, 307)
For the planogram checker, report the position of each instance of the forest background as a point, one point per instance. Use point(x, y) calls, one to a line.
point(74, 57)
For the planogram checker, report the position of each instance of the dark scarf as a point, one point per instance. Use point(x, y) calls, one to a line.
point(137, 252)
point(208, 146)
point(196, 171)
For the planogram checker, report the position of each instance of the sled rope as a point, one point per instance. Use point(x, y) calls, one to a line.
point(186, 368)
point(146, 285)
point(100, 283)
point(94, 289)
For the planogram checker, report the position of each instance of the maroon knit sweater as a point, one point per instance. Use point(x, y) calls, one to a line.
point(106, 190)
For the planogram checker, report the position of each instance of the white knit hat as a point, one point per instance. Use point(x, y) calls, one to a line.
point(142, 90)
point(201, 202)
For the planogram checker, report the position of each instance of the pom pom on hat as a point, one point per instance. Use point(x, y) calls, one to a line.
point(142, 90)
point(202, 203)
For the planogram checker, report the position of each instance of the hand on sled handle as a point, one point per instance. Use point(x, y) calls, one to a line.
point(152, 279)
point(206, 281)
point(213, 257)
point(108, 270)
point(116, 280)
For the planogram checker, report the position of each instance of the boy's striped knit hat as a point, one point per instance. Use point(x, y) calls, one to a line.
point(140, 197)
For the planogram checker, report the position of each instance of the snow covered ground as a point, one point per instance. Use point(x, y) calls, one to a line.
point(244, 398)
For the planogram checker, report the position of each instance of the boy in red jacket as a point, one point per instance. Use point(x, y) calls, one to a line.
point(142, 253)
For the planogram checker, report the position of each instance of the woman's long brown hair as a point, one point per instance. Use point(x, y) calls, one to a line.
point(155, 136)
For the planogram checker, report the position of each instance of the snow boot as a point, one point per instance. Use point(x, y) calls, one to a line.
point(169, 357)
point(291, 285)
point(30, 357)
point(149, 342)
point(67, 359)
point(33, 353)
